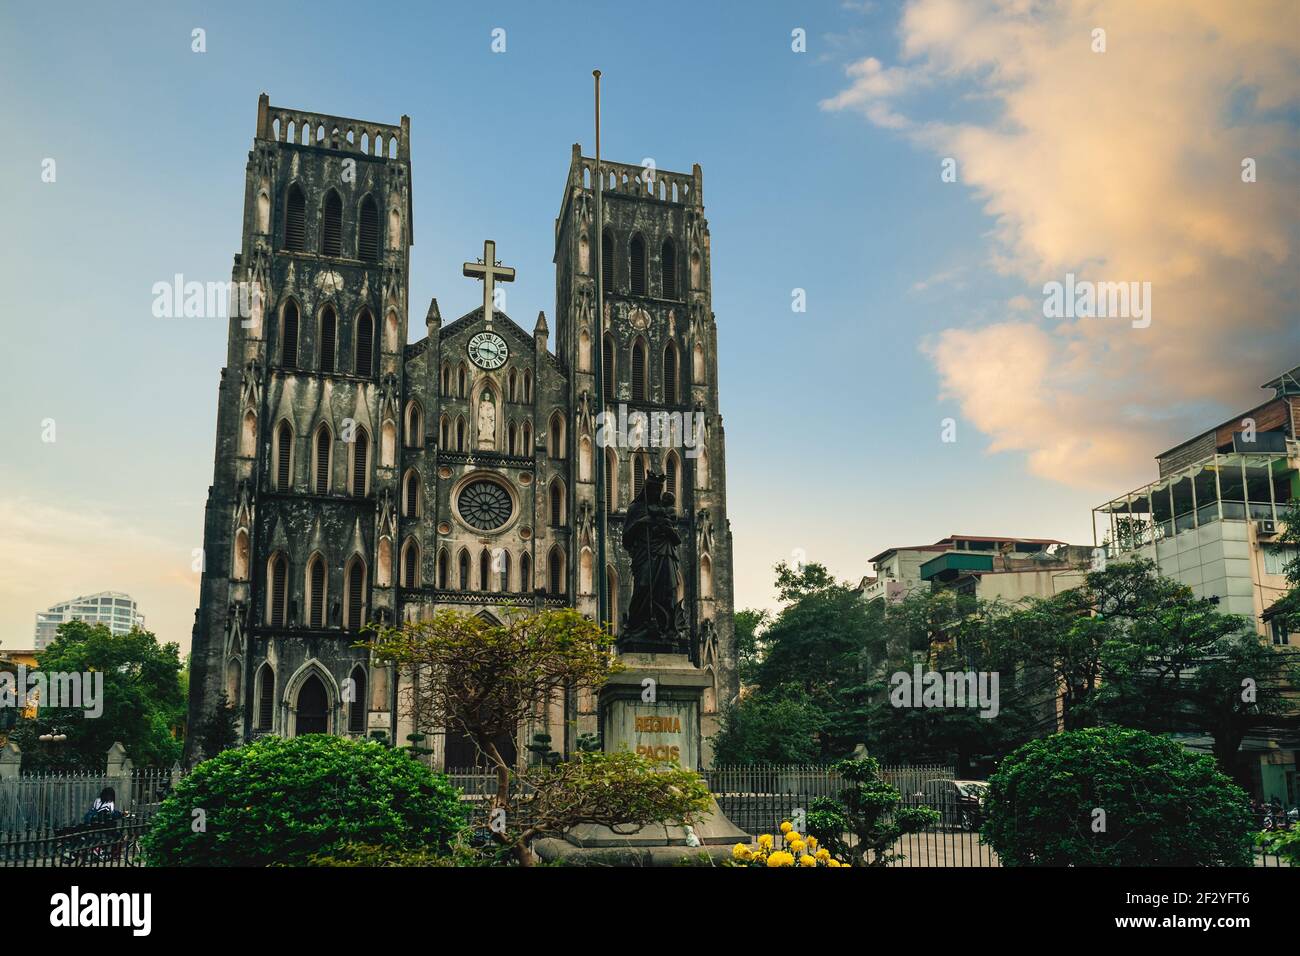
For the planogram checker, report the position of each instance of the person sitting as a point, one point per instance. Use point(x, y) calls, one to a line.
point(104, 809)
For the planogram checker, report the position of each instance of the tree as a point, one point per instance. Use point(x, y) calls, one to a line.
point(281, 801)
point(219, 730)
point(749, 642)
point(484, 679)
point(868, 809)
point(761, 728)
point(143, 706)
point(1114, 796)
point(1287, 607)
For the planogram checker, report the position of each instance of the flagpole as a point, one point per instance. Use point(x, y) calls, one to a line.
point(602, 582)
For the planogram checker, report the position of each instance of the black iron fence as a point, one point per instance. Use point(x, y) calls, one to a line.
point(56, 800)
point(83, 845)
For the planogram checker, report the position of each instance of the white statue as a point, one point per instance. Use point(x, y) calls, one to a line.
point(487, 421)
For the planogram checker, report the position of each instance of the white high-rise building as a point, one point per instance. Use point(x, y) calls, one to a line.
point(113, 608)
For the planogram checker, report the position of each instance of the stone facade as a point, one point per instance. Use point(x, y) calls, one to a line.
point(360, 478)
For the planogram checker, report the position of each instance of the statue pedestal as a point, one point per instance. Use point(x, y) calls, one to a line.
point(652, 708)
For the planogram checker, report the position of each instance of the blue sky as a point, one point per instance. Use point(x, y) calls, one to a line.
point(833, 416)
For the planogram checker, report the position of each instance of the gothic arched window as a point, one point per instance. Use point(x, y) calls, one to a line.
point(607, 358)
point(463, 577)
point(557, 503)
point(278, 590)
point(322, 463)
point(411, 564)
point(639, 388)
point(640, 465)
point(555, 564)
point(411, 499)
point(525, 573)
point(485, 570)
point(556, 435)
point(289, 335)
point(295, 219)
point(636, 264)
point(328, 337)
point(283, 457)
point(331, 225)
point(357, 706)
point(316, 591)
point(443, 570)
point(668, 261)
point(265, 696)
point(672, 365)
point(504, 572)
point(368, 230)
point(607, 261)
point(360, 458)
point(414, 424)
point(355, 610)
point(365, 345)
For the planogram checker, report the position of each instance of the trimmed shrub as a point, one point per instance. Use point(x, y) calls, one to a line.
point(278, 801)
point(1113, 796)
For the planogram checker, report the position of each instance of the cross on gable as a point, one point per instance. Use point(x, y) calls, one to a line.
point(489, 270)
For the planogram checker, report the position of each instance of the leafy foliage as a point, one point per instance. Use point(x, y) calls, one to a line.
point(769, 728)
point(143, 703)
point(281, 801)
point(1115, 796)
point(868, 809)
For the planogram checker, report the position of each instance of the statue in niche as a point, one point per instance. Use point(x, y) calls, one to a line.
point(487, 421)
point(651, 539)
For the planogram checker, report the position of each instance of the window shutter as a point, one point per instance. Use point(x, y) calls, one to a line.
point(355, 590)
point(368, 230)
point(365, 345)
point(360, 451)
point(638, 371)
point(289, 347)
point(318, 593)
point(322, 461)
point(295, 220)
point(331, 243)
point(669, 259)
point(637, 263)
point(607, 262)
point(357, 706)
point(670, 375)
point(266, 702)
point(328, 336)
point(608, 370)
point(282, 464)
point(279, 575)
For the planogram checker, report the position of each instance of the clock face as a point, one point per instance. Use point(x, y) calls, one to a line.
point(488, 350)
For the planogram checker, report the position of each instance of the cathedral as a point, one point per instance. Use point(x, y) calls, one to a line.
point(360, 477)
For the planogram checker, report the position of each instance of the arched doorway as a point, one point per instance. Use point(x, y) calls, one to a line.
point(313, 707)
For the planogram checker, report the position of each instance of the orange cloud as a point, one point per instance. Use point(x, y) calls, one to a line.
point(1123, 165)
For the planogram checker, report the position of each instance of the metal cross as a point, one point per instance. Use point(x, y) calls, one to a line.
point(489, 270)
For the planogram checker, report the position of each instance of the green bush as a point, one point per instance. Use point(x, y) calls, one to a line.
point(1113, 796)
point(283, 801)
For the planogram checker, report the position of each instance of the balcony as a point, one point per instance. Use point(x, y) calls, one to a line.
point(1222, 487)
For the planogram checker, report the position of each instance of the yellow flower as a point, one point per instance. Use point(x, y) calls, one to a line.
point(765, 841)
point(793, 835)
point(807, 860)
point(780, 858)
point(812, 842)
point(786, 827)
point(832, 862)
point(741, 852)
point(796, 846)
point(823, 854)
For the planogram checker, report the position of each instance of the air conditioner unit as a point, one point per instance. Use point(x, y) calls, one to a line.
point(1265, 528)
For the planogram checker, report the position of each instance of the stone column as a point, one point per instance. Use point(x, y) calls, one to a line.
point(11, 760)
point(119, 773)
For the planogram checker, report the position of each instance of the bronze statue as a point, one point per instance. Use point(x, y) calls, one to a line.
point(651, 540)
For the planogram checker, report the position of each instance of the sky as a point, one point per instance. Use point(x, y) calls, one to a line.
point(919, 170)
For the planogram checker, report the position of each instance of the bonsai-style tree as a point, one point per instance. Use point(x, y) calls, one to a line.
point(867, 808)
point(485, 679)
point(1114, 796)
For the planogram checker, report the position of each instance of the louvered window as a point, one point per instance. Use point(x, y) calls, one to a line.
point(289, 345)
point(557, 572)
point(670, 375)
point(279, 583)
point(464, 570)
point(283, 452)
point(638, 371)
point(607, 262)
point(608, 370)
point(266, 699)
point(668, 257)
point(356, 592)
point(412, 495)
point(557, 504)
point(322, 461)
point(295, 220)
point(636, 256)
point(525, 572)
point(368, 230)
point(365, 345)
point(331, 235)
point(318, 593)
point(360, 452)
point(328, 337)
point(357, 706)
point(484, 570)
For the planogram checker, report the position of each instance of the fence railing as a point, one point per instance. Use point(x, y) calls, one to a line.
point(84, 845)
point(59, 800)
